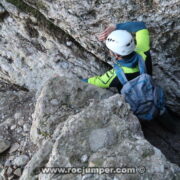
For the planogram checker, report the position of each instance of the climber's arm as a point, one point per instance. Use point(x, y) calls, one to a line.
point(102, 81)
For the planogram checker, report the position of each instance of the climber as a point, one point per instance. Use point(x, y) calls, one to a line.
point(126, 54)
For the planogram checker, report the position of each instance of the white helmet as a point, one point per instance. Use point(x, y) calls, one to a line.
point(120, 42)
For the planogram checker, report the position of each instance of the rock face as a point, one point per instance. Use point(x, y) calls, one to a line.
point(59, 99)
point(16, 107)
point(83, 20)
point(104, 133)
point(45, 47)
point(64, 40)
point(32, 51)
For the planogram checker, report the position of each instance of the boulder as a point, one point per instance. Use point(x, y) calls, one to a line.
point(105, 133)
point(21, 160)
point(71, 98)
point(4, 145)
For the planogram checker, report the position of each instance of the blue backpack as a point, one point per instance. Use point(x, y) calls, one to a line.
point(146, 99)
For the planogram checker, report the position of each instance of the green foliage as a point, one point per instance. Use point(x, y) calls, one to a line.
point(43, 133)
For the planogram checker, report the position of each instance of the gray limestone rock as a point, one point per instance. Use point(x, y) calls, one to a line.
point(17, 115)
point(9, 161)
point(100, 138)
point(2, 178)
point(4, 145)
point(9, 171)
point(70, 97)
point(34, 50)
point(21, 160)
point(37, 161)
point(107, 132)
point(17, 172)
point(46, 47)
point(26, 127)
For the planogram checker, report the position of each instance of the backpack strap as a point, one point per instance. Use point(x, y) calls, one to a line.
point(120, 74)
point(141, 65)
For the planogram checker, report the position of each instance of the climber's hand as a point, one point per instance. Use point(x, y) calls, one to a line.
point(102, 36)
